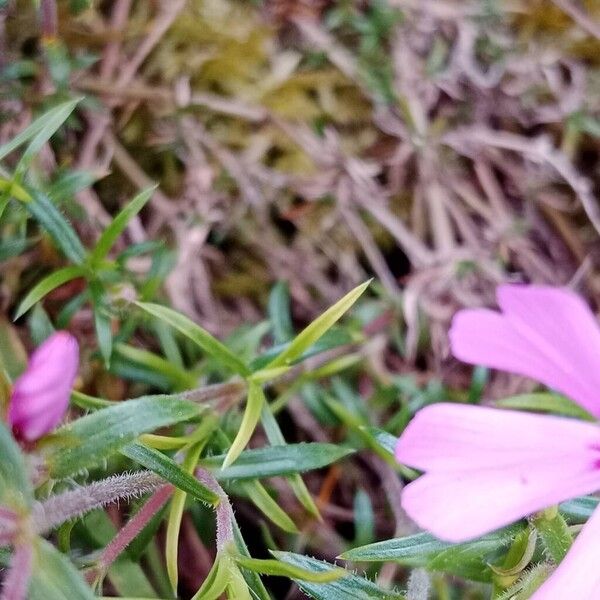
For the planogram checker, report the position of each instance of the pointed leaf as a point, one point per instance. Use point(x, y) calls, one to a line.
point(15, 488)
point(50, 120)
point(201, 337)
point(277, 460)
point(470, 560)
point(350, 586)
point(254, 405)
point(318, 327)
point(546, 402)
point(115, 229)
point(55, 578)
point(216, 581)
point(59, 229)
point(46, 285)
point(296, 482)
point(282, 569)
point(89, 440)
point(267, 505)
point(280, 314)
point(168, 469)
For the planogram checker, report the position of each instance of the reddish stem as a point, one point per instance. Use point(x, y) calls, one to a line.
point(134, 526)
point(223, 510)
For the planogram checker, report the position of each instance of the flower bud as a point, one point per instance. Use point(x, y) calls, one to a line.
point(40, 396)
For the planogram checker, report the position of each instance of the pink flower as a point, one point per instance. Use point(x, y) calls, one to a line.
point(40, 396)
point(484, 467)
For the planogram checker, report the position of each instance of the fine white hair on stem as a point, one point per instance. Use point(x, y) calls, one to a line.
point(419, 585)
point(223, 510)
point(17, 579)
point(72, 504)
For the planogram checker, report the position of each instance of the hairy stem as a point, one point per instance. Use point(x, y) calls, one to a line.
point(72, 504)
point(223, 510)
point(17, 580)
point(134, 526)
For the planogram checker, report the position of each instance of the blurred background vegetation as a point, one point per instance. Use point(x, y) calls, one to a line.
point(302, 147)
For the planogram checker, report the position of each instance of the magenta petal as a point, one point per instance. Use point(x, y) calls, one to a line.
point(40, 396)
point(487, 468)
point(548, 334)
point(577, 576)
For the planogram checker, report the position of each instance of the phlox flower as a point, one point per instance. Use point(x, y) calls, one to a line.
point(485, 468)
point(40, 396)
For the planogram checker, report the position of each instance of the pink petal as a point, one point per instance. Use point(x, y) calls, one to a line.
point(487, 468)
point(548, 334)
point(40, 396)
point(577, 576)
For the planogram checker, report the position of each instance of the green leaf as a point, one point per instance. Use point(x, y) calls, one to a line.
point(527, 585)
point(89, 402)
point(13, 356)
point(254, 405)
point(579, 510)
point(201, 337)
point(168, 469)
point(46, 285)
point(280, 313)
point(51, 120)
point(277, 460)
point(334, 338)
point(546, 402)
point(69, 183)
point(217, 579)
point(296, 482)
point(350, 586)
point(129, 579)
point(11, 189)
point(554, 533)
point(55, 578)
point(308, 336)
point(13, 246)
point(40, 326)
point(364, 519)
point(385, 440)
point(89, 440)
point(103, 326)
point(59, 229)
point(282, 569)
point(115, 229)
point(469, 560)
point(176, 375)
point(265, 375)
point(175, 517)
point(267, 505)
point(414, 550)
point(237, 588)
point(517, 558)
point(15, 488)
point(102, 320)
point(259, 592)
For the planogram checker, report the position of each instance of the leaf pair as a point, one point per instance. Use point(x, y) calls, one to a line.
point(217, 350)
point(89, 266)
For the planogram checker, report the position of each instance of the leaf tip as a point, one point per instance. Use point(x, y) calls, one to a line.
point(230, 457)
